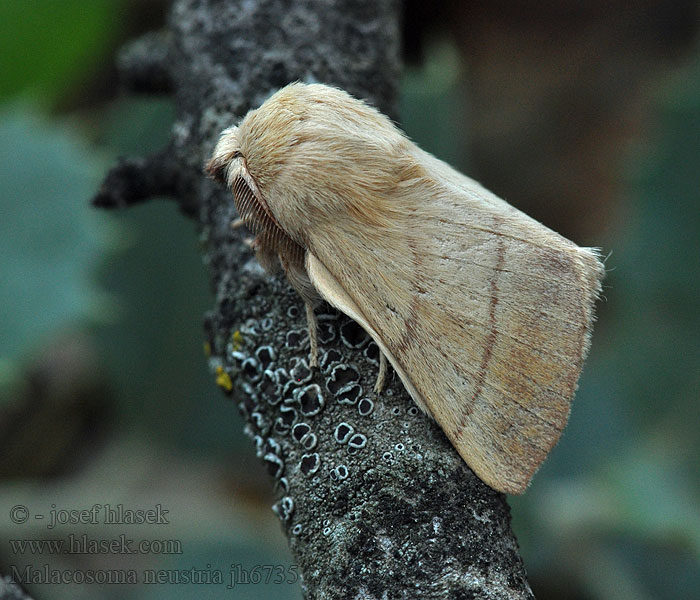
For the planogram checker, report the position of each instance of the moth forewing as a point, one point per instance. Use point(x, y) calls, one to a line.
point(486, 322)
point(332, 292)
point(484, 313)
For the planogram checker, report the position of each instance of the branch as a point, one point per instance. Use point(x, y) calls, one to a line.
point(144, 63)
point(135, 180)
point(374, 500)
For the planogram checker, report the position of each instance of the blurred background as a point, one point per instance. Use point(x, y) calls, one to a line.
point(585, 116)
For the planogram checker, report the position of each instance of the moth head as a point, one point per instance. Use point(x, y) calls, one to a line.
point(225, 156)
point(312, 153)
point(228, 167)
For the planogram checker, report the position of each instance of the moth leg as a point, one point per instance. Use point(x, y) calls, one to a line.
point(381, 376)
point(313, 334)
point(236, 223)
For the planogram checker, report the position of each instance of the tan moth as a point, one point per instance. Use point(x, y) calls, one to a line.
point(484, 313)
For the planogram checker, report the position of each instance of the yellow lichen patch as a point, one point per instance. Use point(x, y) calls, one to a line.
point(223, 379)
point(237, 339)
point(207, 349)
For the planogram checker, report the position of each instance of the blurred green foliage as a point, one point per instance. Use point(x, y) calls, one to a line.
point(433, 104)
point(50, 239)
point(47, 46)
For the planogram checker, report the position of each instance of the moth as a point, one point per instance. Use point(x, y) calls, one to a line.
point(484, 313)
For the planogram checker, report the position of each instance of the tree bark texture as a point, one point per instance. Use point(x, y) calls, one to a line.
point(374, 500)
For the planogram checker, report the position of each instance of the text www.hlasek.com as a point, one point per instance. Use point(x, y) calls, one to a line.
point(82, 544)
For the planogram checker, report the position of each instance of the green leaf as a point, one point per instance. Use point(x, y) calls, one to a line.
point(45, 46)
point(50, 238)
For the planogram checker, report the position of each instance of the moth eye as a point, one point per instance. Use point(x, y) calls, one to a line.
point(216, 170)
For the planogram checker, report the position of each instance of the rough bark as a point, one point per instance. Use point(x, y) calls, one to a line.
point(373, 498)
